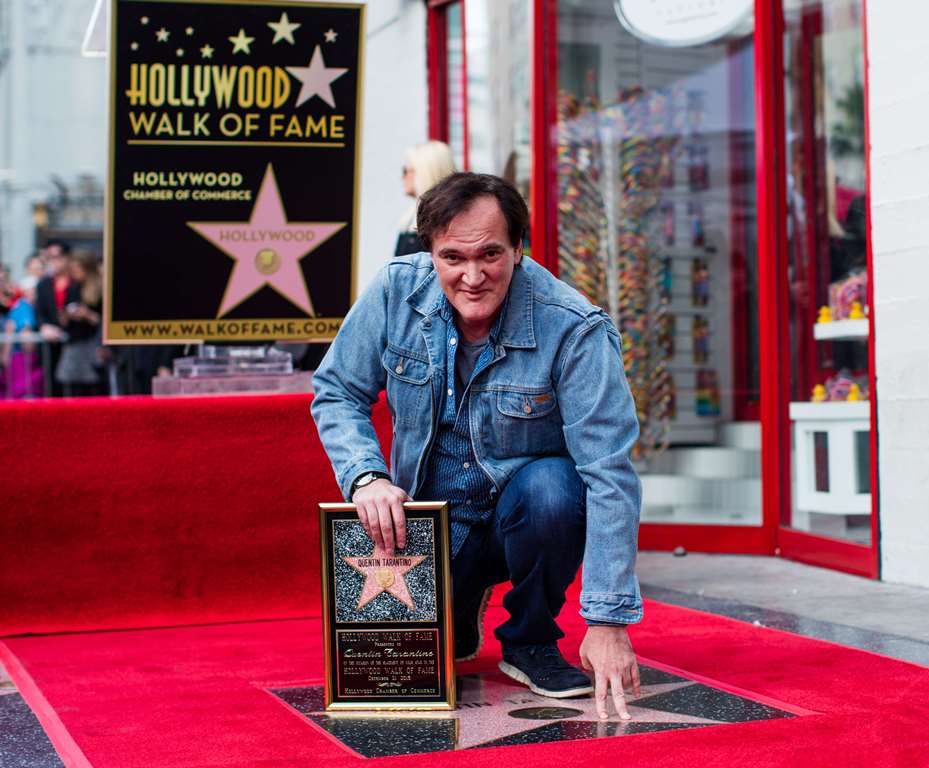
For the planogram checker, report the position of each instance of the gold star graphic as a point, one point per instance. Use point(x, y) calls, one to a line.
point(162, 35)
point(144, 19)
point(331, 35)
point(189, 31)
point(134, 46)
point(180, 51)
point(283, 29)
point(241, 42)
point(206, 52)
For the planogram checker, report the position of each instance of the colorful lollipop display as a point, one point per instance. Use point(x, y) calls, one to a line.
point(624, 156)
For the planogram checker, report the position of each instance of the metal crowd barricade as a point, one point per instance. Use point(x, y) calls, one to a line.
point(45, 355)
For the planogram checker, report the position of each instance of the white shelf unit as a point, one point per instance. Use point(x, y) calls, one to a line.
point(841, 330)
point(837, 426)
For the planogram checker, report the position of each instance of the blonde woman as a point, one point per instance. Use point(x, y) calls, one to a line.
point(425, 166)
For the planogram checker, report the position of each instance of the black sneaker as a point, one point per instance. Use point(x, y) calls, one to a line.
point(545, 671)
point(469, 628)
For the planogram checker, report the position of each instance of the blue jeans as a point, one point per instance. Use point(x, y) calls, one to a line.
point(535, 539)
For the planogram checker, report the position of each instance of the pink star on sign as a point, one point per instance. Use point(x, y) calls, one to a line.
point(384, 574)
point(316, 79)
point(267, 249)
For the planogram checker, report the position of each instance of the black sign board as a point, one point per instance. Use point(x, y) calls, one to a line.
point(232, 195)
point(387, 620)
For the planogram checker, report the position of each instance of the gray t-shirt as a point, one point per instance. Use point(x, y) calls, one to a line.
point(465, 360)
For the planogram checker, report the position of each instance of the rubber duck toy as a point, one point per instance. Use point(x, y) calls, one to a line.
point(856, 312)
point(825, 315)
point(854, 394)
point(819, 394)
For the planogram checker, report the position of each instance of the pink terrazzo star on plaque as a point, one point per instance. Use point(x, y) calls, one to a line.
point(384, 574)
point(267, 249)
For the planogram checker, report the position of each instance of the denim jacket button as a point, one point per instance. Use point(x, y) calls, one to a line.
point(399, 368)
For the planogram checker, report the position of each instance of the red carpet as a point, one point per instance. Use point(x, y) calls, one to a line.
point(147, 513)
point(193, 697)
point(142, 512)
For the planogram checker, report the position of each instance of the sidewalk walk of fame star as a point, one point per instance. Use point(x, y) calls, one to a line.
point(384, 574)
point(494, 711)
point(267, 249)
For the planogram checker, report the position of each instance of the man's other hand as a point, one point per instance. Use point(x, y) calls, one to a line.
point(607, 652)
point(380, 510)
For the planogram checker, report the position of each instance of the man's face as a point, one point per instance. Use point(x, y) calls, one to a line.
point(55, 259)
point(474, 262)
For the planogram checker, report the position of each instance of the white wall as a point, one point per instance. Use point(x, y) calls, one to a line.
point(53, 116)
point(899, 132)
point(395, 117)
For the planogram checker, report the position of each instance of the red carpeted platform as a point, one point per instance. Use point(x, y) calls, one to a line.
point(141, 512)
point(195, 697)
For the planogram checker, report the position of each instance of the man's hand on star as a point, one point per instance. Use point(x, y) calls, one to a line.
point(607, 652)
point(380, 510)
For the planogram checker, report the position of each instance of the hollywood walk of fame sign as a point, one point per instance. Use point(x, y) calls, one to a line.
point(387, 619)
point(494, 711)
point(233, 180)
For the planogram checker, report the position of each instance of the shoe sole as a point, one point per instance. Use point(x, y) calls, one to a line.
point(482, 609)
point(522, 677)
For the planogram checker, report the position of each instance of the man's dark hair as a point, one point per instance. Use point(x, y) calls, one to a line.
point(456, 193)
point(64, 245)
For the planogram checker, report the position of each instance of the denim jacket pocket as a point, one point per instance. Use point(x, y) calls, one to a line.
point(405, 366)
point(407, 384)
point(526, 405)
point(527, 422)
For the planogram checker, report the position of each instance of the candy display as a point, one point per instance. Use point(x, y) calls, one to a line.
point(582, 221)
point(699, 282)
point(645, 123)
point(666, 281)
point(619, 198)
point(698, 167)
point(667, 222)
point(707, 393)
point(697, 233)
point(667, 325)
point(844, 294)
point(700, 336)
point(846, 386)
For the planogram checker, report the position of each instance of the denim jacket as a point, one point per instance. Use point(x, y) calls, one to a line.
point(555, 386)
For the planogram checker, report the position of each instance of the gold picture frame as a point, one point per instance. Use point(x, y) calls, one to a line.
point(388, 640)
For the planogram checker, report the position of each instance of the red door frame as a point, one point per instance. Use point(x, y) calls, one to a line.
point(772, 537)
point(774, 308)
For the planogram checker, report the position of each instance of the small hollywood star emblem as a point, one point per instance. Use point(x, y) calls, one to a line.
point(384, 574)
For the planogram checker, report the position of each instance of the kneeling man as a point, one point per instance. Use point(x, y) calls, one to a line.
point(509, 401)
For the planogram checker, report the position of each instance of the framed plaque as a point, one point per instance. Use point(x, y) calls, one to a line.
point(387, 621)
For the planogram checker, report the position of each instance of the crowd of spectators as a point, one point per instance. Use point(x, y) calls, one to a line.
point(51, 336)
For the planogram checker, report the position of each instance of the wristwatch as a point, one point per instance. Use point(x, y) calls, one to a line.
point(366, 479)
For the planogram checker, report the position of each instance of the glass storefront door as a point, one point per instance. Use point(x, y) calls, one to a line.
point(656, 223)
point(827, 268)
point(712, 197)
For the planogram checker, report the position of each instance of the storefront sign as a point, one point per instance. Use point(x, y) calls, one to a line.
point(679, 23)
point(231, 211)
